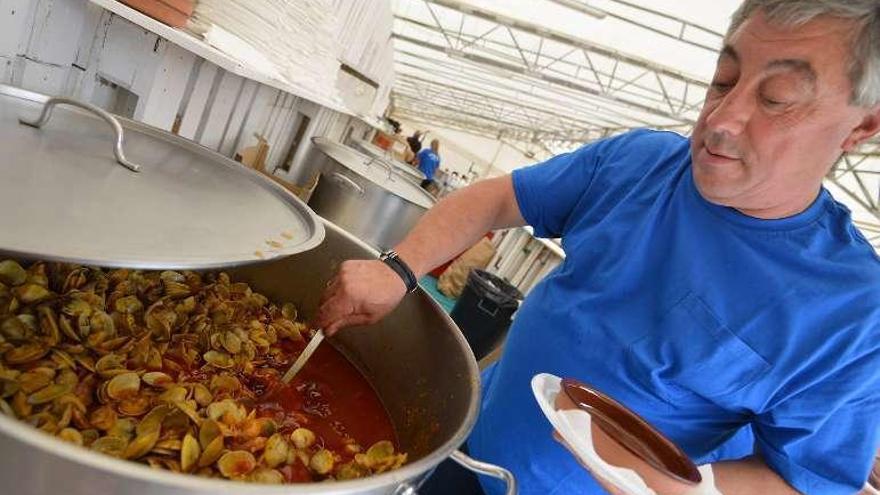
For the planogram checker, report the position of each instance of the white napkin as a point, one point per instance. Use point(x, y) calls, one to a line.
point(574, 427)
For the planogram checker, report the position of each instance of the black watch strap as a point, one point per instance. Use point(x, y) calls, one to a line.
point(391, 259)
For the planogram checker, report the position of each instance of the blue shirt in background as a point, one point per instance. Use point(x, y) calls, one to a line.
point(428, 162)
point(726, 332)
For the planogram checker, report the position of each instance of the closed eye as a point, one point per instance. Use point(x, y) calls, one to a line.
point(770, 102)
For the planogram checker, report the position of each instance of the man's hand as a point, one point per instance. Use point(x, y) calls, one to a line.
point(361, 293)
point(607, 485)
point(746, 476)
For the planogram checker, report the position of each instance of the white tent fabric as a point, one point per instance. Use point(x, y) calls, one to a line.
point(549, 75)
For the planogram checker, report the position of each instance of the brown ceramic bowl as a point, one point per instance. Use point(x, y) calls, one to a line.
point(622, 438)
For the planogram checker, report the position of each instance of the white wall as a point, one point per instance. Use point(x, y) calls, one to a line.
point(77, 49)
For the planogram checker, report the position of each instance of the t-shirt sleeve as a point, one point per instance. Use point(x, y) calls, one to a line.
point(822, 439)
point(548, 192)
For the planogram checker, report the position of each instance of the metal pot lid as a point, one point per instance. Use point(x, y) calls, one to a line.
point(377, 152)
point(67, 198)
point(376, 171)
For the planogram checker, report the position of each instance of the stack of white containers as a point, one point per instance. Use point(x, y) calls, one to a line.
point(299, 38)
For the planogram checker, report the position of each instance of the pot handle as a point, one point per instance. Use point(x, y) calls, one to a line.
point(488, 469)
point(108, 117)
point(472, 465)
point(348, 183)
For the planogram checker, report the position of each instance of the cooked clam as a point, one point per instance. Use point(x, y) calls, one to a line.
point(11, 273)
point(275, 451)
point(30, 293)
point(123, 385)
point(114, 446)
point(157, 379)
point(141, 445)
point(25, 354)
point(189, 453)
point(322, 462)
point(211, 452)
point(267, 476)
point(303, 438)
point(236, 464)
point(71, 435)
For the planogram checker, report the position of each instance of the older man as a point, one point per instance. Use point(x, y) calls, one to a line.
point(710, 283)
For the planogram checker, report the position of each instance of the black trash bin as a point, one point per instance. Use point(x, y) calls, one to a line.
point(484, 310)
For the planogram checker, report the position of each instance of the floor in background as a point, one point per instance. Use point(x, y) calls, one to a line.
point(429, 283)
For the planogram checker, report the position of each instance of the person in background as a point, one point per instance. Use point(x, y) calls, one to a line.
point(710, 284)
point(470, 178)
point(452, 182)
point(443, 177)
point(415, 143)
point(428, 161)
point(456, 182)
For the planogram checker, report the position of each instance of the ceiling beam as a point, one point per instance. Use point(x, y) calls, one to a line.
point(480, 80)
point(613, 85)
point(518, 70)
point(560, 37)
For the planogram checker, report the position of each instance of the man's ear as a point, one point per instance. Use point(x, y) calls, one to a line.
point(867, 129)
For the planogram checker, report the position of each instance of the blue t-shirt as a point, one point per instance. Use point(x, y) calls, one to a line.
point(428, 162)
point(726, 332)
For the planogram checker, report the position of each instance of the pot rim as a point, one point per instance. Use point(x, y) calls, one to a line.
point(26, 434)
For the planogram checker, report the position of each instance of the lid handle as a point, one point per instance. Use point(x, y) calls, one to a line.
point(341, 179)
point(107, 116)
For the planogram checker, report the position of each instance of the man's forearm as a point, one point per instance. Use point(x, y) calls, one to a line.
point(749, 476)
point(459, 221)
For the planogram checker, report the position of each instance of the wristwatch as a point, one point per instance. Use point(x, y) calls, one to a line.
point(394, 262)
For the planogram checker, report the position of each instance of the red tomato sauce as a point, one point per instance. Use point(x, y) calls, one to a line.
point(328, 396)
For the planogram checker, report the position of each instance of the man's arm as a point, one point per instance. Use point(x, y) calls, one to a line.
point(363, 292)
point(458, 221)
point(749, 476)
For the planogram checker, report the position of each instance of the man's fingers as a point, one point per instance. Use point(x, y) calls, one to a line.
point(333, 309)
point(347, 321)
point(358, 319)
point(330, 289)
point(331, 329)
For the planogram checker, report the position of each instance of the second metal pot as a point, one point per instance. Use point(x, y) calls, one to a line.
point(366, 197)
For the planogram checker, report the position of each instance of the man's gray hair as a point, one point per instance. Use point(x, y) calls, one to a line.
point(865, 62)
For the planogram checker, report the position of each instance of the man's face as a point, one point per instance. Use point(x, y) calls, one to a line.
point(777, 116)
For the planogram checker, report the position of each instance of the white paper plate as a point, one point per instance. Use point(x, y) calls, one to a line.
point(574, 427)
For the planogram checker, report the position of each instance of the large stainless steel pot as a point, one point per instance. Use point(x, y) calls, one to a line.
point(366, 197)
point(405, 170)
point(416, 359)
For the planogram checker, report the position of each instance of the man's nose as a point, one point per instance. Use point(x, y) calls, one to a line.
point(732, 112)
